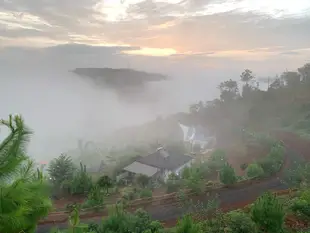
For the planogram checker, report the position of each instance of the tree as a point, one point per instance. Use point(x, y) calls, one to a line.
point(291, 78)
point(268, 213)
point(105, 182)
point(254, 170)
point(276, 84)
point(24, 193)
point(81, 182)
point(228, 175)
point(61, 171)
point(305, 73)
point(239, 222)
point(247, 76)
point(229, 90)
point(187, 225)
point(217, 159)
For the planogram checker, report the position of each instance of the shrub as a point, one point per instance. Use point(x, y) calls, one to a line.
point(129, 193)
point(301, 206)
point(254, 170)
point(239, 222)
point(173, 186)
point(146, 193)
point(228, 175)
point(186, 173)
point(268, 213)
point(274, 160)
point(217, 159)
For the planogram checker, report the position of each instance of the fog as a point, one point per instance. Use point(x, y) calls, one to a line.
point(62, 107)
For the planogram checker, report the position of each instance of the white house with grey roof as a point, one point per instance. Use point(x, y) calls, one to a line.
point(158, 165)
point(198, 136)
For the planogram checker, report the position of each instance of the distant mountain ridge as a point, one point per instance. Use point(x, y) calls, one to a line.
point(119, 78)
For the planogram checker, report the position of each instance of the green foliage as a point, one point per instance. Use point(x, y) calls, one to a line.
point(122, 222)
point(61, 171)
point(24, 193)
point(301, 206)
point(105, 182)
point(216, 224)
point(187, 225)
point(268, 213)
point(228, 175)
point(95, 198)
point(186, 173)
point(142, 180)
point(298, 175)
point(254, 170)
point(239, 222)
point(274, 160)
point(217, 159)
point(129, 193)
point(82, 182)
point(146, 193)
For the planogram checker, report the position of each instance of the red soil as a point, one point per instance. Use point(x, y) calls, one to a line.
point(246, 155)
point(61, 203)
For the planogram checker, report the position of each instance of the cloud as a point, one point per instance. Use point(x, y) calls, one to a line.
point(184, 25)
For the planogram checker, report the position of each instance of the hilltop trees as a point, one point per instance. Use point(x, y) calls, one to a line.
point(23, 191)
point(283, 104)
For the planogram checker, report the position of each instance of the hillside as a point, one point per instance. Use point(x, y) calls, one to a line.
point(284, 105)
point(162, 130)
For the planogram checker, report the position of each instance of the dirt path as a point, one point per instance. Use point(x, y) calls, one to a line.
point(229, 198)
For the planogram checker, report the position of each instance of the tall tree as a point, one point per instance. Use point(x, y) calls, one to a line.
point(229, 90)
point(61, 171)
point(291, 78)
point(305, 72)
point(23, 191)
point(247, 76)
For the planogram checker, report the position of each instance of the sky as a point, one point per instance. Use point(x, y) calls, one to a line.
point(196, 43)
point(208, 29)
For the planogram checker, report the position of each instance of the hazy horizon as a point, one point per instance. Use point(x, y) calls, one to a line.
point(196, 43)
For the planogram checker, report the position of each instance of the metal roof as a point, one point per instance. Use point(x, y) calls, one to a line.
point(140, 168)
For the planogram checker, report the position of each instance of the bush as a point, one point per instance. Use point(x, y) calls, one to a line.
point(228, 175)
point(239, 222)
point(254, 170)
point(217, 159)
point(274, 160)
point(186, 173)
point(268, 213)
point(173, 186)
point(129, 194)
point(146, 193)
point(301, 206)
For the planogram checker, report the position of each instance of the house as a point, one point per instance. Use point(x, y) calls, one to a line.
point(198, 136)
point(158, 165)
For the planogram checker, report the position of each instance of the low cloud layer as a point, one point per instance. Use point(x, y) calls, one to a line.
point(196, 43)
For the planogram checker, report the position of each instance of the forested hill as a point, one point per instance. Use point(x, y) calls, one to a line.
point(118, 78)
point(284, 105)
